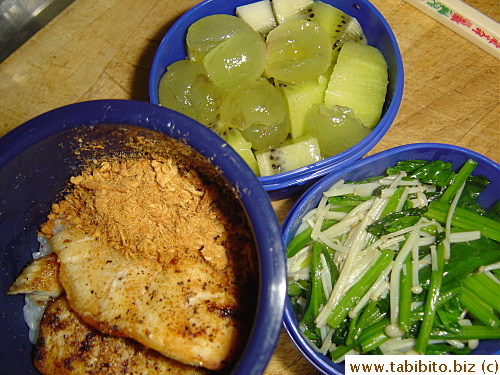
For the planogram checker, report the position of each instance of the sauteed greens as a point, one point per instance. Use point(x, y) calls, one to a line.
point(403, 263)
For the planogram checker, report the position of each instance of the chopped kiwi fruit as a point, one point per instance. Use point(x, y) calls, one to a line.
point(287, 10)
point(359, 81)
point(259, 15)
point(335, 127)
point(235, 139)
point(219, 128)
point(300, 97)
point(339, 26)
point(290, 155)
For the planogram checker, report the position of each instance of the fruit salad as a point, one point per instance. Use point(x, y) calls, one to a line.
point(286, 83)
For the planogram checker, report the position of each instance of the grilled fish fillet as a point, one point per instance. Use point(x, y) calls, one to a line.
point(66, 345)
point(186, 309)
point(39, 279)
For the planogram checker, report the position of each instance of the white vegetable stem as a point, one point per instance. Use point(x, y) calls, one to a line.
point(410, 243)
point(356, 242)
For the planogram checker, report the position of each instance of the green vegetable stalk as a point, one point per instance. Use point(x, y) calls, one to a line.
point(431, 302)
point(354, 294)
point(317, 298)
point(458, 181)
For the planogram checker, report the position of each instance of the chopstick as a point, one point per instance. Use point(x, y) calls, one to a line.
point(465, 21)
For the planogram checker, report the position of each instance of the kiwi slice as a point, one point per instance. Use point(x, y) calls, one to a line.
point(287, 10)
point(235, 139)
point(259, 15)
point(290, 155)
point(300, 97)
point(359, 81)
point(339, 26)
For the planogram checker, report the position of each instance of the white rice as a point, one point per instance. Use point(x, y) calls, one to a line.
point(33, 311)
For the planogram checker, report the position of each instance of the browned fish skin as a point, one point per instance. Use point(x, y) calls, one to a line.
point(66, 345)
point(40, 279)
point(185, 310)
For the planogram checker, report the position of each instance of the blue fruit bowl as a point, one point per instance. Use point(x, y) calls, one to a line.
point(372, 166)
point(378, 33)
point(38, 158)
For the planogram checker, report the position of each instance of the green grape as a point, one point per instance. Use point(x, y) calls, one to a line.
point(265, 136)
point(258, 102)
point(185, 88)
point(208, 32)
point(237, 60)
point(297, 51)
point(335, 127)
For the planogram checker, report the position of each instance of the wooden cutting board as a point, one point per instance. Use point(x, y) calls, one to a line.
point(104, 49)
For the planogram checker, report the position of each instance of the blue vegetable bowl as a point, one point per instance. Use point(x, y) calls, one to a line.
point(372, 166)
point(378, 33)
point(36, 161)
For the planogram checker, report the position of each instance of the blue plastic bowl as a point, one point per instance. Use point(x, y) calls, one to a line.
point(372, 166)
point(36, 161)
point(379, 34)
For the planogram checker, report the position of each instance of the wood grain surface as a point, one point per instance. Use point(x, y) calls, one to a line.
point(104, 49)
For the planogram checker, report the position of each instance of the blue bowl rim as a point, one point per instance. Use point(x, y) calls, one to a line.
point(319, 361)
point(272, 284)
point(310, 172)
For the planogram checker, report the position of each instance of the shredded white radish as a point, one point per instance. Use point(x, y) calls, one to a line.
point(352, 218)
point(338, 229)
point(366, 189)
point(302, 274)
point(309, 214)
point(424, 261)
point(327, 342)
point(302, 302)
point(323, 208)
point(335, 186)
point(456, 343)
point(465, 236)
point(333, 244)
point(402, 200)
point(415, 283)
point(302, 227)
point(356, 239)
point(326, 276)
point(490, 267)
point(396, 274)
point(395, 345)
point(420, 201)
point(426, 240)
point(396, 235)
point(297, 265)
point(398, 179)
point(433, 258)
point(388, 181)
point(335, 215)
